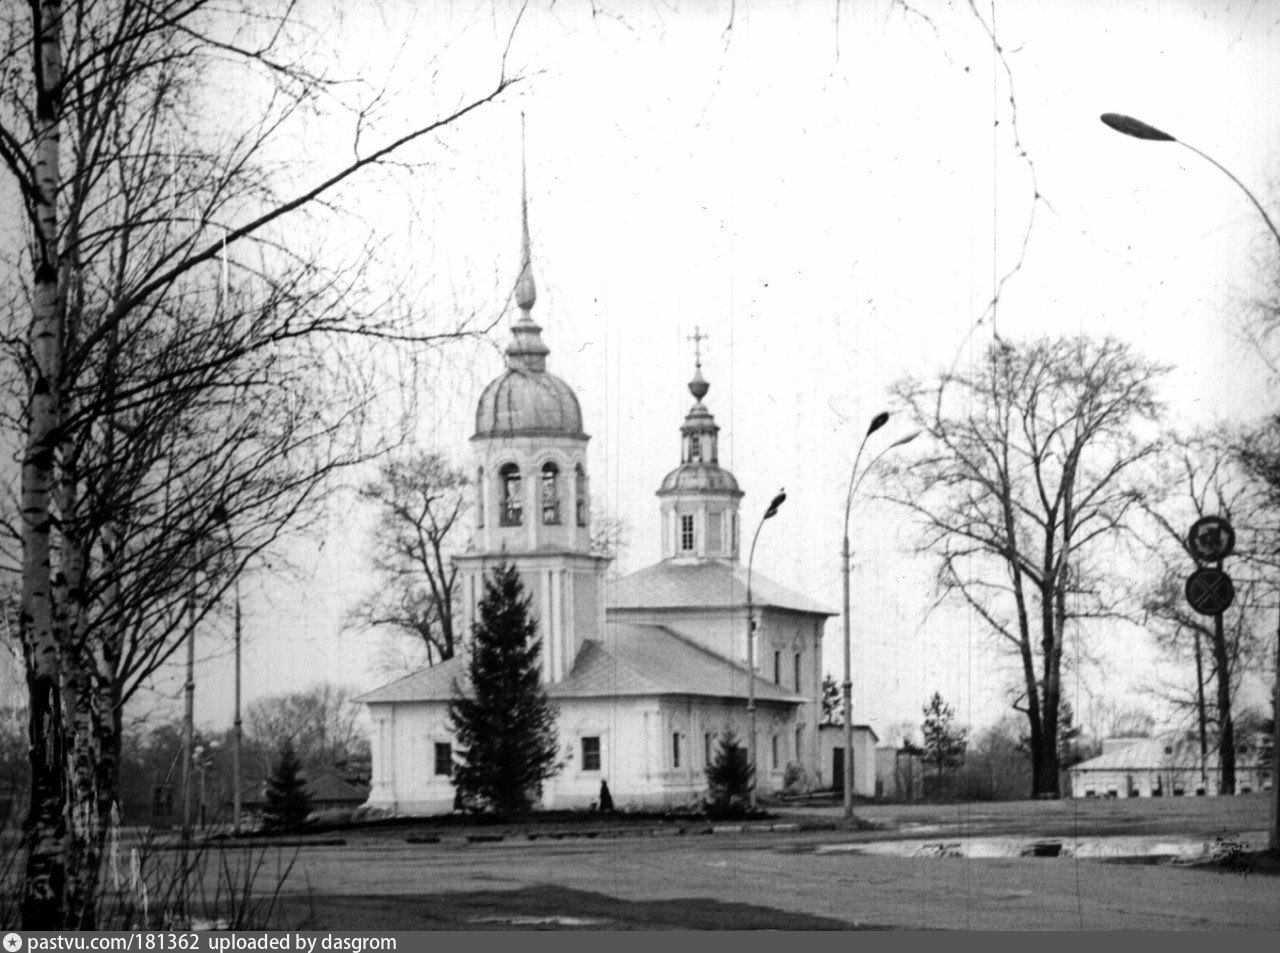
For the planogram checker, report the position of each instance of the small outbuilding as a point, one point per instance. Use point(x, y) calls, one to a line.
point(899, 774)
point(831, 759)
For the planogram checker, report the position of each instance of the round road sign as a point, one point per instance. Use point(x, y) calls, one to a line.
point(1211, 539)
point(1210, 591)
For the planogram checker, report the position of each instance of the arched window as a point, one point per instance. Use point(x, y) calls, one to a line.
point(512, 503)
point(695, 448)
point(550, 494)
point(580, 494)
point(480, 498)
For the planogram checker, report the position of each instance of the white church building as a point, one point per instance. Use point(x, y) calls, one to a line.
point(646, 682)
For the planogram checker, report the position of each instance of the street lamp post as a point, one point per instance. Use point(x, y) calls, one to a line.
point(878, 421)
point(1138, 129)
point(751, 632)
point(237, 734)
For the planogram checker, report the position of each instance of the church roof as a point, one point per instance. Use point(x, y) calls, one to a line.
point(426, 684)
point(631, 661)
point(644, 660)
point(705, 584)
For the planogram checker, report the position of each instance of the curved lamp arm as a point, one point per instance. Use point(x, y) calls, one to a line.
point(1138, 129)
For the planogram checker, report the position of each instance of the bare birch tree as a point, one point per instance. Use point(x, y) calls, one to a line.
point(1032, 470)
point(167, 430)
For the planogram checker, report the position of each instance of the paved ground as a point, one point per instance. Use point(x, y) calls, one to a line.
point(791, 880)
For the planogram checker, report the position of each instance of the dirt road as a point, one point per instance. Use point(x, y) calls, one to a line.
point(793, 880)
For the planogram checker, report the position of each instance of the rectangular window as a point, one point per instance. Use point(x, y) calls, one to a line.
point(686, 533)
point(797, 672)
point(591, 753)
point(675, 750)
point(799, 746)
point(774, 751)
point(706, 749)
point(777, 668)
point(444, 758)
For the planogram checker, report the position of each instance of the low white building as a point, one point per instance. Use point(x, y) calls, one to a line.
point(646, 687)
point(1168, 766)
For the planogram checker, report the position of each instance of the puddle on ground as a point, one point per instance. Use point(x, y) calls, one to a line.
point(539, 921)
point(1093, 848)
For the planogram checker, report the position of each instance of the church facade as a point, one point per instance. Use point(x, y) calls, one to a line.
point(647, 683)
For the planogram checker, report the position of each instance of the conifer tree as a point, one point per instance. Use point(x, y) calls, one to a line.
point(945, 742)
point(504, 723)
point(287, 804)
point(730, 777)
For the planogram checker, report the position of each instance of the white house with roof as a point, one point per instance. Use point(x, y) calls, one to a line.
point(1167, 766)
point(646, 685)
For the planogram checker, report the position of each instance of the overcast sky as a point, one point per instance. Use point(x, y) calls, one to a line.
point(833, 193)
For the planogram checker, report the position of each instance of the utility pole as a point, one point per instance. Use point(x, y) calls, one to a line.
point(1275, 749)
point(238, 729)
point(188, 720)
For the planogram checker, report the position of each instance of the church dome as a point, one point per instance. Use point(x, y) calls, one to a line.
point(699, 477)
point(526, 402)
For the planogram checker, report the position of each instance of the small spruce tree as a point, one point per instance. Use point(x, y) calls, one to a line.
point(945, 742)
point(287, 804)
point(730, 778)
point(505, 725)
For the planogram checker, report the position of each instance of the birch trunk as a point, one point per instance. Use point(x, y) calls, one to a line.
point(46, 830)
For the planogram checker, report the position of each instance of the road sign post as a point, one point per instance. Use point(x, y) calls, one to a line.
point(1210, 591)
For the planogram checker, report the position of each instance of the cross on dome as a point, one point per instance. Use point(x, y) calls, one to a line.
point(698, 387)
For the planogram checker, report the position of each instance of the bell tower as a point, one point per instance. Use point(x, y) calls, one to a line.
point(532, 488)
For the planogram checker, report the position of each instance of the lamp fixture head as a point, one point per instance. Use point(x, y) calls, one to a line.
point(1135, 128)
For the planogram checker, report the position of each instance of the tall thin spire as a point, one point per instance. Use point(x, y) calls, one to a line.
point(526, 290)
point(526, 352)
